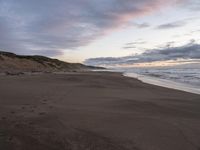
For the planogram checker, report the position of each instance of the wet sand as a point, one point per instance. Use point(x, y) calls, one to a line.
point(95, 111)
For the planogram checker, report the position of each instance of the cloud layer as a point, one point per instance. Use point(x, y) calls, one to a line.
point(39, 26)
point(188, 51)
point(171, 25)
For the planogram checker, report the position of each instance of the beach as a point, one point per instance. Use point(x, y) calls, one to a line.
point(95, 111)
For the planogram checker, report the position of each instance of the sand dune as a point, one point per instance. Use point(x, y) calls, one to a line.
point(12, 64)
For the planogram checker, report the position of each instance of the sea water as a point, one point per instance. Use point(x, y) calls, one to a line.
point(185, 79)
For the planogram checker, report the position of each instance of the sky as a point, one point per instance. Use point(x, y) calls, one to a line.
point(103, 32)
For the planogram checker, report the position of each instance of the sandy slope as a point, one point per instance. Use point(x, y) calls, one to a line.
point(95, 111)
point(11, 63)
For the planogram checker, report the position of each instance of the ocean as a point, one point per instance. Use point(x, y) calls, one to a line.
point(185, 79)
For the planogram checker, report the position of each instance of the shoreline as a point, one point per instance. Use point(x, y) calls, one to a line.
point(159, 82)
point(164, 83)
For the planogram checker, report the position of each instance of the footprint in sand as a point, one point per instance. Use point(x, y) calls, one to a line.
point(51, 107)
point(42, 113)
point(34, 106)
point(32, 110)
point(44, 101)
point(26, 104)
point(31, 123)
point(3, 118)
point(12, 112)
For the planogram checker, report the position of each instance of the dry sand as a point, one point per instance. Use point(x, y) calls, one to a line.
point(95, 111)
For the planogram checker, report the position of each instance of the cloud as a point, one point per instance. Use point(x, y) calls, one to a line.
point(171, 25)
point(134, 44)
point(188, 51)
point(140, 25)
point(129, 47)
point(194, 6)
point(137, 42)
point(29, 25)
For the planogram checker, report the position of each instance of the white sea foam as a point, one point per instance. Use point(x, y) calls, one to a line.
point(185, 79)
point(165, 83)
